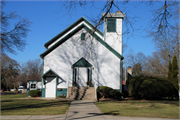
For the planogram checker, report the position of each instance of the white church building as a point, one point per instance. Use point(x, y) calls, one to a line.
point(81, 53)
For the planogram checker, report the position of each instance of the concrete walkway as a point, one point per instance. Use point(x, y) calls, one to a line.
point(80, 110)
point(85, 110)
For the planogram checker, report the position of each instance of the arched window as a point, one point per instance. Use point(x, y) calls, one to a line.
point(83, 36)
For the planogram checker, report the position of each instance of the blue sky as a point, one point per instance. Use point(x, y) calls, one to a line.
point(47, 21)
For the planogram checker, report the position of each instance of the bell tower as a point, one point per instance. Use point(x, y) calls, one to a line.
point(113, 30)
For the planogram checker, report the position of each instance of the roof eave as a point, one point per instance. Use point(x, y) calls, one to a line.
point(69, 28)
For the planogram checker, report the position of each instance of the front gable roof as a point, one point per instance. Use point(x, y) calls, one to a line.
point(51, 72)
point(94, 34)
point(69, 28)
point(82, 63)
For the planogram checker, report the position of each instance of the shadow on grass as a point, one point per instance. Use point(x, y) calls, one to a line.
point(88, 115)
point(173, 102)
point(112, 113)
point(2, 101)
point(82, 103)
point(159, 101)
point(28, 104)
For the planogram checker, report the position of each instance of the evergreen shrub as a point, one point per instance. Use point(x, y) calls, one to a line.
point(115, 94)
point(150, 87)
point(61, 96)
point(107, 92)
point(34, 93)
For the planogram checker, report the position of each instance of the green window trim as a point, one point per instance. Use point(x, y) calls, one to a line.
point(75, 74)
point(83, 36)
point(81, 63)
point(111, 25)
point(88, 75)
point(44, 75)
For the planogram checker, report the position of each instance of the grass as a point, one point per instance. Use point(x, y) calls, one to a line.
point(13, 96)
point(10, 91)
point(10, 105)
point(141, 108)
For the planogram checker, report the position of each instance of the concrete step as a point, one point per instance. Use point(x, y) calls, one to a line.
point(87, 92)
point(72, 89)
point(82, 98)
point(81, 93)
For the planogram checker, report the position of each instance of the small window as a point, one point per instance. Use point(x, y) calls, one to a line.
point(111, 25)
point(83, 36)
point(33, 86)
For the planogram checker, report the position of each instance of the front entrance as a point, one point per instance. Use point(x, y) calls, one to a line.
point(82, 76)
point(82, 72)
point(49, 84)
point(50, 87)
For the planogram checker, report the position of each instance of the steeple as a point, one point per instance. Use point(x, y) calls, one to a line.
point(113, 30)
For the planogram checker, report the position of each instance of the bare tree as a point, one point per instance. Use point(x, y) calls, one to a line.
point(167, 47)
point(164, 29)
point(32, 69)
point(9, 71)
point(22, 79)
point(155, 65)
point(133, 58)
point(13, 37)
point(160, 24)
point(137, 69)
point(164, 19)
point(137, 61)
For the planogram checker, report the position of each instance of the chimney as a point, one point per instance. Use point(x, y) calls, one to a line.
point(129, 71)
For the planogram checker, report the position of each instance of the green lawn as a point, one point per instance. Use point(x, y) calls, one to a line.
point(13, 96)
point(141, 108)
point(10, 105)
